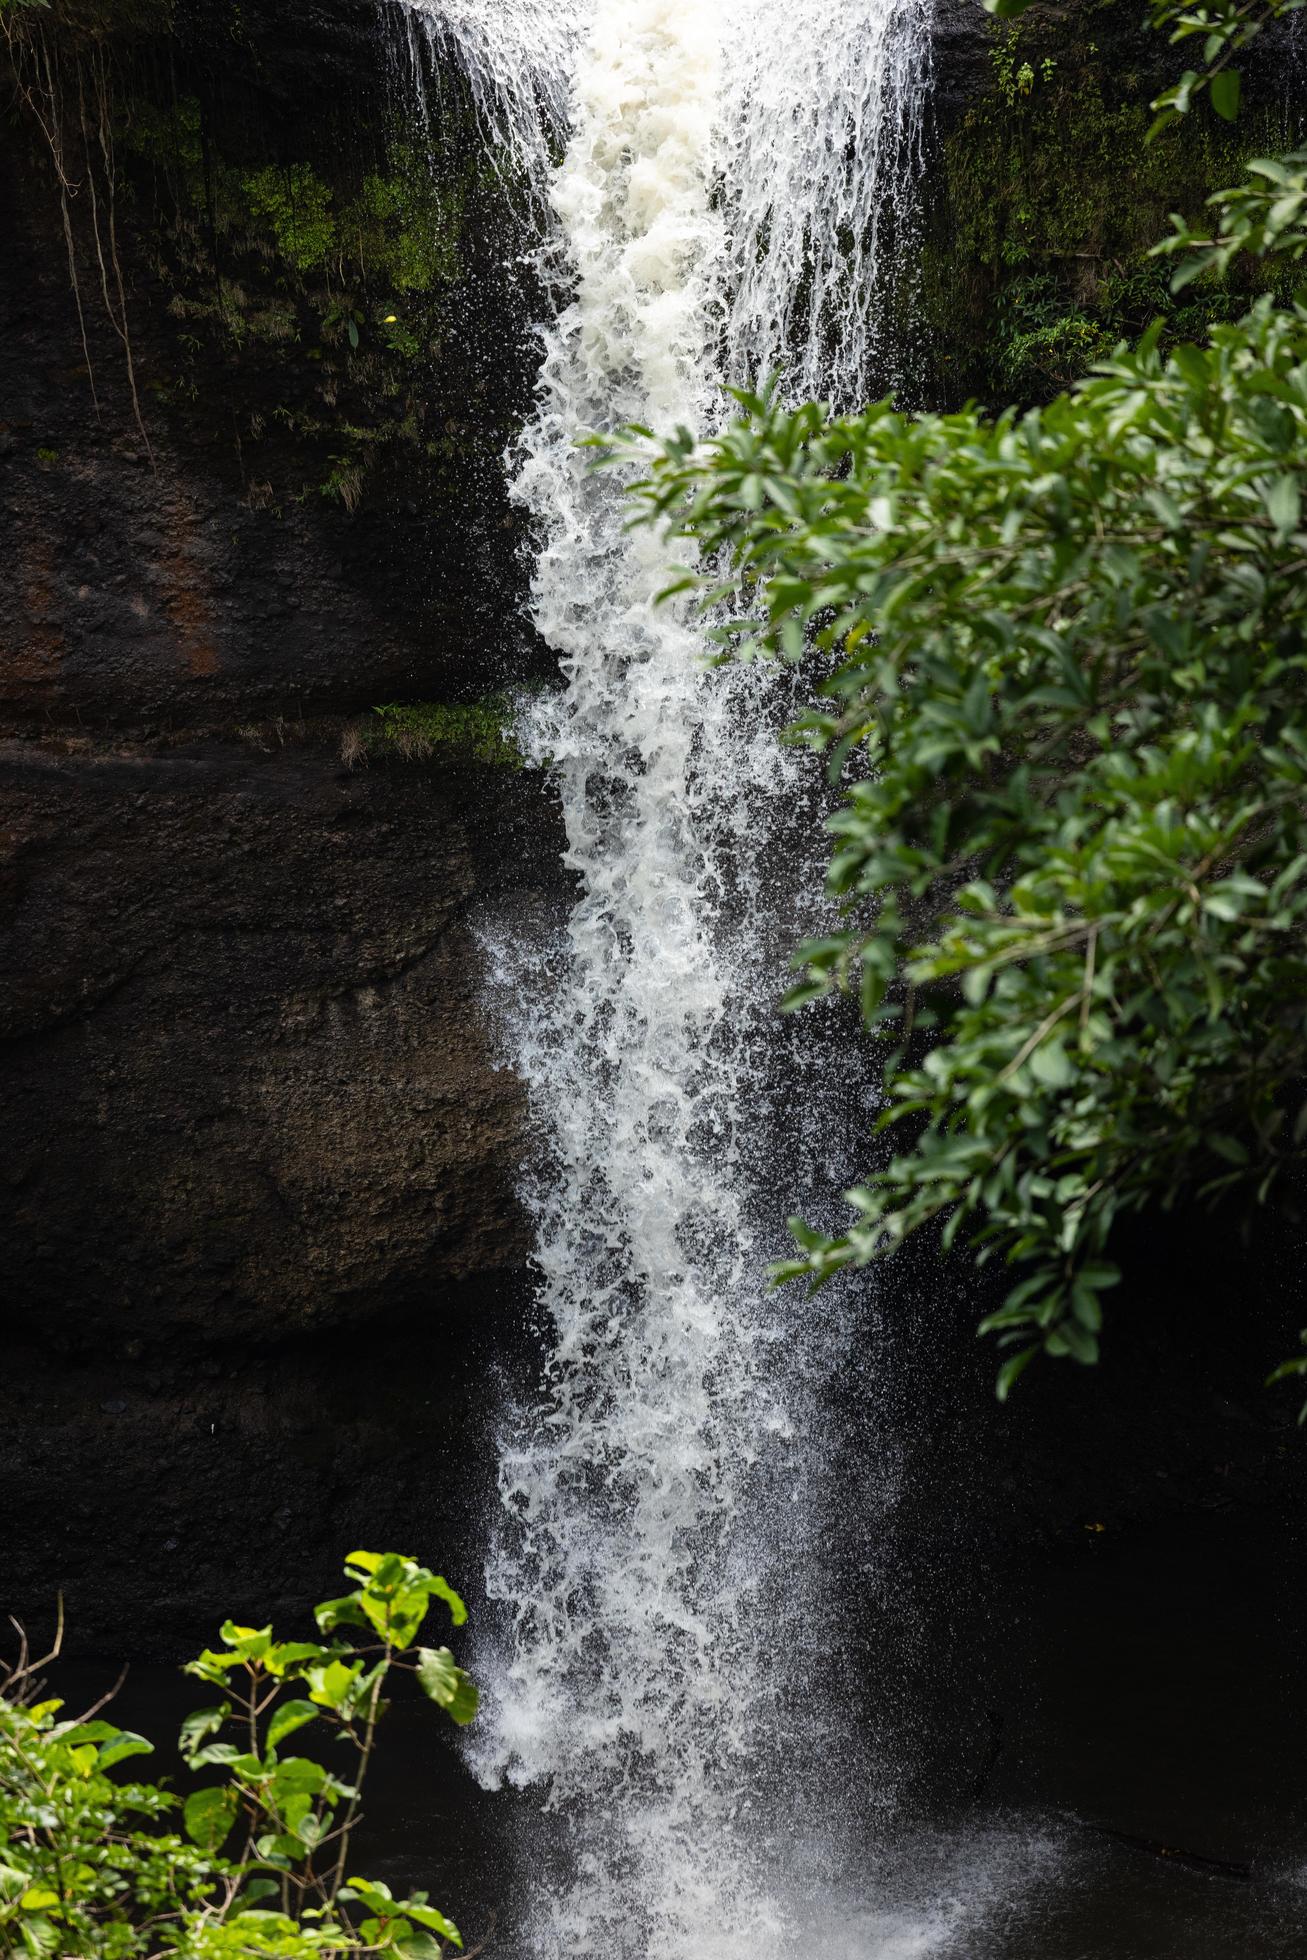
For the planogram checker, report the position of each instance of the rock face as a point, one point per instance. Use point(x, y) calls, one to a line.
point(250, 1075)
point(258, 1188)
point(259, 1166)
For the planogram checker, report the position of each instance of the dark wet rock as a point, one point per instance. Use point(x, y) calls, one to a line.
point(250, 1081)
point(257, 1160)
point(962, 34)
point(262, 1241)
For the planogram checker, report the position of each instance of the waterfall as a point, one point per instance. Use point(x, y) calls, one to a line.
point(734, 190)
point(823, 156)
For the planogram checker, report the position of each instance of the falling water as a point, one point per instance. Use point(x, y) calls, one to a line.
point(822, 146)
point(733, 176)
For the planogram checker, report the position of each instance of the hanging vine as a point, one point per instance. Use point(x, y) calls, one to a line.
point(67, 89)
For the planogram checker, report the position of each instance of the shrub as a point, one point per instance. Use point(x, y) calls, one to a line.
point(1064, 662)
point(96, 1866)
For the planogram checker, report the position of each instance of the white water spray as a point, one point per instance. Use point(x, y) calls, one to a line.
point(731, 172)
point(823, 156)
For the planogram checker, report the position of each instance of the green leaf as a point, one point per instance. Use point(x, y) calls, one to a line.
point(204, 1722)
point(250, 1644)
point(426, 1915)
point(1070, 1337)
point(285, 1655)
point(333, 1613)
point(209, 1816)
point(1051, 1065)
point(121, 1746)
point(441, 1589)
point(373, 1893)
point(330, 1686)
point(225, 1753)
point(368, 1564)
point(1013, 1369)
point(1284, 505)
point(1225, 93)
point(298, 1776)
point(289, 1716)
point(414, 1945)
point(446, 1683)
point(256, 1889)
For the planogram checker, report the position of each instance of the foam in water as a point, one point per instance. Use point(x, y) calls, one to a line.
point(722, 157)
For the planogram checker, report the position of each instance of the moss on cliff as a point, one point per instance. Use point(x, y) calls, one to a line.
point(1046, 203)
point(306, 287)
point(335, 292)
point(474, 731)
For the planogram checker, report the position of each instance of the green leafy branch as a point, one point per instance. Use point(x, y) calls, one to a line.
point(1063, 681)
point(77, 1873)
point(1265, 217)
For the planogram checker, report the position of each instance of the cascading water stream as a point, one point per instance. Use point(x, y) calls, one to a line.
point(734, 172)
point(623, 1488)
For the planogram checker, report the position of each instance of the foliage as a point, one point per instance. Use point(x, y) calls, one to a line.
point(417, 729)
point(1066, 674)
point(95, 1866)
point(408, 223)
point(1265, 217)
point(1227, 28)
point(295, 205)
point(344, 286)
point(1042, 343)
point(1034, 264)
point(398, 235)
point(1015, 78)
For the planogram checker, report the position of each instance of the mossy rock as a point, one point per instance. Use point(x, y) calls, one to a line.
point(1046, 201)
point(419, 731)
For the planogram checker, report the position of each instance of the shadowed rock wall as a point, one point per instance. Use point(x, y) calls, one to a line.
point(257, 1161)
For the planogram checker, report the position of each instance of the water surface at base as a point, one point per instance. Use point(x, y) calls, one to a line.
point(1160, 1695)
point(1120, 1905)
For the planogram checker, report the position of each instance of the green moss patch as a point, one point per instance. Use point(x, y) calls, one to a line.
point(475, 731)
point(1046, 204)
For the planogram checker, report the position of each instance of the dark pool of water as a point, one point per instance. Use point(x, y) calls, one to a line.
point(1147, 1801)
point(1156, 1716)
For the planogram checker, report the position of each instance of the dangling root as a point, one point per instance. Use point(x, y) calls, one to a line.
point(105, 133)
point(44, 108)
point(41, 89)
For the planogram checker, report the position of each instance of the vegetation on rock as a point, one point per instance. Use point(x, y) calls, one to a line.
point(1034, 263)
point(307, 293)
point(92, 1864)
point(479, 731)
